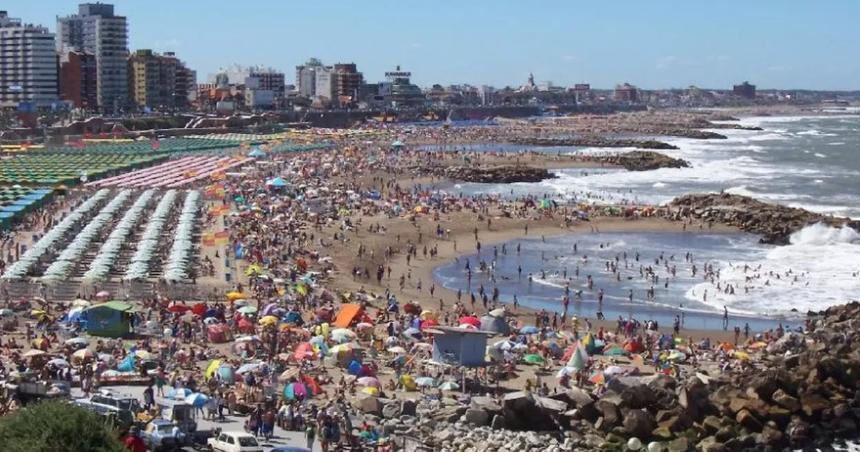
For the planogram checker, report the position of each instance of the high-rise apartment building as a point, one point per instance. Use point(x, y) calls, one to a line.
point(97, 30)
point(28, 65)
point(159, 81)
point(306, 77)
point(78, 76)
point(347, 81)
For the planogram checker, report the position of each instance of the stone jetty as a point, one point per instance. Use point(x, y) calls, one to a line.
point(495, 174)
point(592, 141)
point(775, 223)
point(644, 161)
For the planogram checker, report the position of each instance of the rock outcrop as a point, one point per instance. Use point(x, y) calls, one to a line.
point(775, 223)
point(644, 161)
point(803, 395)
point(495, 174)
point(593, 141)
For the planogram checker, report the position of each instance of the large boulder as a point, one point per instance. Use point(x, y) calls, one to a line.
point(609, 413)
point(786, 401)
point(477, 417)
point(639, 423)
point(639, 396)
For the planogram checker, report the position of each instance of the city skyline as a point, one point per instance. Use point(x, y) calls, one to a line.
point(784, 45)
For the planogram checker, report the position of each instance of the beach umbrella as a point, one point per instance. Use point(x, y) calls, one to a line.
point(425, 382)
point(529, 330)
point(211, 368)
point(427, 314)
point(83, 354)
point(614, 350)
point(234, 295)
point(470, 320)
point(248, 338)
point(342, 335)
point(196, 399)
point(77, 342)
point(178, 393)
point(533, 359)
point(59, 362)
point(270, 309)
point(304, 351)
point(289, 374)
point(500, 312)
point(143, 355)
point(295, 390)
point(449, 386)
point(248, 310)
point(32, 353)
point(249, 367)
point(579, 358)
point(103, 295)
point(178, 308)
point(364, 326)
point(5, 312)
point(268, 320)
point(370, 390)
point(368, 381)
point(339, 349)
point(397, 350)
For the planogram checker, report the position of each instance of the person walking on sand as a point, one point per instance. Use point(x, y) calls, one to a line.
point(725, 318)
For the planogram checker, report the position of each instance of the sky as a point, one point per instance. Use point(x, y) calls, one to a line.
point(785, 44)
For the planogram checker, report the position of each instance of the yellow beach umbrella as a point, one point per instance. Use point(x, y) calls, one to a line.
point(212, 367)
point(269, 320)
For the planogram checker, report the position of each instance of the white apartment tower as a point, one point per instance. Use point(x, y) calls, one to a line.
point(97, 30)
point(28, 65)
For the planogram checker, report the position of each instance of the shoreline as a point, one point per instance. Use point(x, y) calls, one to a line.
point(462, 236)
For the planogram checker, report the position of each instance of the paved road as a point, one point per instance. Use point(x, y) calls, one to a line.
point(281, 437)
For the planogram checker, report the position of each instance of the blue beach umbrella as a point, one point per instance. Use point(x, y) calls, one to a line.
point(197, 399)
point(178, 393)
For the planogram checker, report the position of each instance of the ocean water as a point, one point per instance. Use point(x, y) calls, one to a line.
point(802, 161)
point(805, 161)
point(760, 297)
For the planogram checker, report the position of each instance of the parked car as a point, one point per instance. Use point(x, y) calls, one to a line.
point(163, 435)
point(182, 414)
point(120, 409)
point(234, 442)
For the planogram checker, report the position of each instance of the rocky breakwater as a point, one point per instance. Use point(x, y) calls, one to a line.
point(643, 161)
point(775, 223)
point(800, 391)
point(505, 174)
point(592, 141)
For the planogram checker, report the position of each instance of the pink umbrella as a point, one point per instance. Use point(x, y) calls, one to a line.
point(103, 294)
point(369, 381)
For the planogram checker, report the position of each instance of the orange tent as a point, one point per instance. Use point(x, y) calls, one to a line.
point(348, 313)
